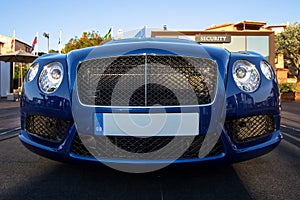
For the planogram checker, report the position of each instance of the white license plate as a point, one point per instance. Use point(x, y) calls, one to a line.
point(146, 125)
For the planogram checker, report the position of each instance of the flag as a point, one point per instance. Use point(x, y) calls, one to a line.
point(141, 33)
point(33, 43)
point(108, 35)
point(13, 41)
point(59, 38)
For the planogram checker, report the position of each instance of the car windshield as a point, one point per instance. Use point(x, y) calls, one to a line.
point(146, 34)
point(143, 33)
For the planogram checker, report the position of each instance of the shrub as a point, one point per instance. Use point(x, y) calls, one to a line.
point(285, 87)
point(296, 87)
point(289, 87)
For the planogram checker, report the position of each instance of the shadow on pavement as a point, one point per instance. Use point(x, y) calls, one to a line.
point(64, 181)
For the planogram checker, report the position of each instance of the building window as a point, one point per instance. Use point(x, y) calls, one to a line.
point(259, 44)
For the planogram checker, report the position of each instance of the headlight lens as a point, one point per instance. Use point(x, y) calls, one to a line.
point(266, 69)
point(51, 77)
point(246, 75)
point(32, 71)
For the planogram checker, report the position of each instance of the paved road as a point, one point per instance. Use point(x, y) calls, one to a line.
point(24, 175)
point(9, 115)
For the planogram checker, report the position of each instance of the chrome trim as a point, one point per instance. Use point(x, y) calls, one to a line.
point(148, 107)
point(145, 77)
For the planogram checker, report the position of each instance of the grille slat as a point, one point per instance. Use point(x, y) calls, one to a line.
point(163, 80)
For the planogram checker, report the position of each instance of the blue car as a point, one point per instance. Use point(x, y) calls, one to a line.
point(141, 104)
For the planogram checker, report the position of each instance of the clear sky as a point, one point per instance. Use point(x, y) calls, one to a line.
point(76, 16)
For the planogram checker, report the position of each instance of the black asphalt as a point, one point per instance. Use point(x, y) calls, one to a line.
point(24, 175)
point(9, 115)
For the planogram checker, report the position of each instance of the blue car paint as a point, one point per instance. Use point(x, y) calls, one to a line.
point(239, 104)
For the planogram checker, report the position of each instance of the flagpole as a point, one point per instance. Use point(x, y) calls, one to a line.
point(146, 30)
point(37, 44)
point(59, 43)
point(21, 74)
point(14, 42)
point(13, 50)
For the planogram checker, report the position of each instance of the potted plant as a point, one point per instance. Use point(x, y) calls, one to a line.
point(286, 92)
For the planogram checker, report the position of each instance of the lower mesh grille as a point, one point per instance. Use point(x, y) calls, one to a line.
point(151, 148)
point(250, 128)
point(48, 128)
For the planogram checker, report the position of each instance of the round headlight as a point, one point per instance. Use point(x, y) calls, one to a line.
point(32, 71)
point(245, 75)
point(266, 69)
point(51, 77)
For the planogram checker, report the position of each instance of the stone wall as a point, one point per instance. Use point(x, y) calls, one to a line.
point(282, 75)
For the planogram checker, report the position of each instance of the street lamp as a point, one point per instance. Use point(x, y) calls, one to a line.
point(46, 35)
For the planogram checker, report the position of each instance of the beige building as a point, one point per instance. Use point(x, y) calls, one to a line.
point(241, 36)
point(277, 28)
point(5, 44)
point(281, 72)
point(7, 68)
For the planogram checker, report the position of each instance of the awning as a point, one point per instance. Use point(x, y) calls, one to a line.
point(18, 56)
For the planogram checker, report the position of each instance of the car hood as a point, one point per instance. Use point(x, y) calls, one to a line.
point(148, 46)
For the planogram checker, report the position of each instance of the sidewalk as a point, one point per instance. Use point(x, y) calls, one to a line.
point(9, 115)
point(290, 114)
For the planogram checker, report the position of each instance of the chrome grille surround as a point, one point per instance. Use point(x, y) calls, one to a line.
point(147, 80)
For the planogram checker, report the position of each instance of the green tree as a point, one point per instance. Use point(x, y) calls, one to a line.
point(288, 43)
point(87, 39)
point(53, 51)
point(18, 79)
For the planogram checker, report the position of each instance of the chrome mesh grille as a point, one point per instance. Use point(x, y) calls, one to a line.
point(47, 128)
point(140, 148)
point(146, 80)
point(250, 128)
